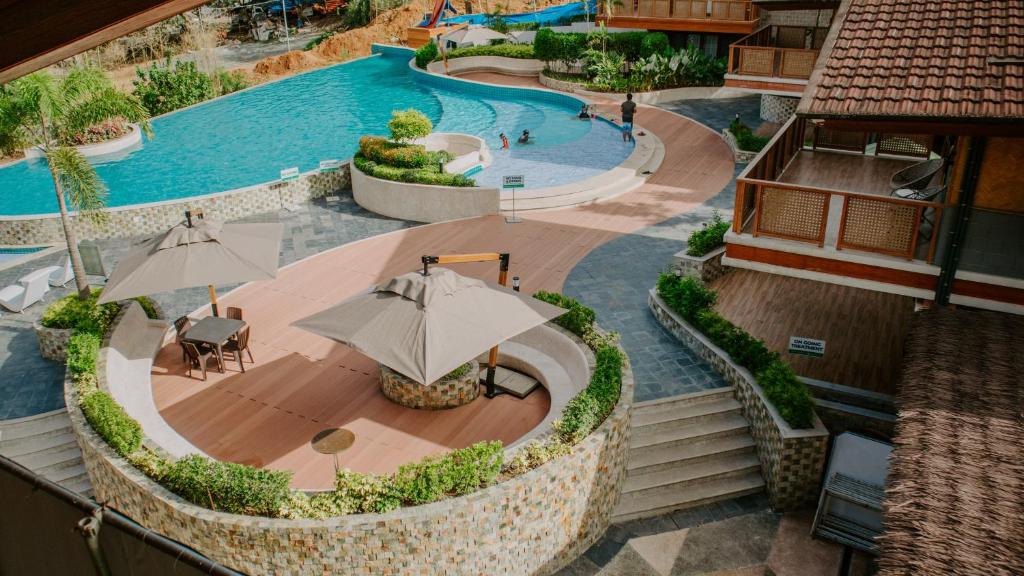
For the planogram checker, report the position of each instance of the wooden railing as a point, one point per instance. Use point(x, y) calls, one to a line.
point(777, 52)
point(713, 10)
point(867, 222)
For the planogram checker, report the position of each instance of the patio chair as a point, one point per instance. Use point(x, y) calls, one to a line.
point(62, 275)
point(917, 176)
point(237, 346)
point(925, 195)
point(180, 325)
point(197, 358)
point(30, 289)
point(234, 313)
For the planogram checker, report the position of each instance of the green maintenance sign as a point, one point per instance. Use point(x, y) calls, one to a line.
point(806, 346)
point(513, 182)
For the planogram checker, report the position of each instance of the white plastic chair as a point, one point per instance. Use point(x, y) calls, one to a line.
point(62, 275)
point(30, 289)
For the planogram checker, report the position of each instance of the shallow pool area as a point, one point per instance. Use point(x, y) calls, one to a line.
point(248, 138)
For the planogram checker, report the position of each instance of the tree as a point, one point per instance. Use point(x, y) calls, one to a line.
point(42, 109)
point(408, 125)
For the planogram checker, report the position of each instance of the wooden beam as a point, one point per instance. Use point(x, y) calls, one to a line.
point(706, 25)
point(1007, 127)
point(37, 33)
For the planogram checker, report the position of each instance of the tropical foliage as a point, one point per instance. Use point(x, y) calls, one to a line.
point(707, 238)
point(408, 125)
point(49, 111)
point(745, 137)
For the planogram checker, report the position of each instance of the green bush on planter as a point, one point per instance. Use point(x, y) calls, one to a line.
point(707, 238)
point(83, 350)
point(408, 125)
point(426, 54)
point(82, 315)
point(654, 43)
point(228, 487)
point(686, 295)
point(426, 175)
point(148, 306)
point(579, 319)
point(589, 408)
point(357, 493)
point(457, 473)
point(383, 151)
point(745, 137)
point(788, 394)
point(112, 423)
point(522, 51)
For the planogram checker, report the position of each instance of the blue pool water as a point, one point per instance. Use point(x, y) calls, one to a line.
point(8, 254)
point(248, 138)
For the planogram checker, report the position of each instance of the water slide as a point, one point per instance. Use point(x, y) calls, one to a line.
point(440, 7)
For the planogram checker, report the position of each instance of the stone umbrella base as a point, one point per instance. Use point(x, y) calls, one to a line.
point(452, 393)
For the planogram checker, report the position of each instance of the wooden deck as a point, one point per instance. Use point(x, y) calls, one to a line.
point(845, 172)
point(302, 383)
point(863, 330)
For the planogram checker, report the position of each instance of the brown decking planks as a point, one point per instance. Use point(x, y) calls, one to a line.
point(843, 171)
point(863, 330)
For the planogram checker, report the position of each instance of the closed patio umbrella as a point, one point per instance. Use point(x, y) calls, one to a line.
point(426, 326)
point(205, 253)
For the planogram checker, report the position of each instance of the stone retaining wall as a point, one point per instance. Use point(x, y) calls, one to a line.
point(532, 524)
point(136, 219)
point(792, 461)
point(453, 393)
point(708, 267)
point(777, 109)
point(740, 156)
point(53, 342)
point(422, 202)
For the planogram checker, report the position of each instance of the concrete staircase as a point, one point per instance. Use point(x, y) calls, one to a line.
point(46, 445)
point(686, 451)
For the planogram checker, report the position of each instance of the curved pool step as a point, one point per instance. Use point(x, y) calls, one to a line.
point(46, 445)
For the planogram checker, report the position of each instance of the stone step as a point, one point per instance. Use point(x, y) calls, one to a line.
point(80, 484)
point(34, 426)
point(65, 473)
point(38, 461)
point(670, 479)
point(669, 417)
point(644, 505)
point(728, 424)
point(665, 456)
point(40, 442)
point(672, 402)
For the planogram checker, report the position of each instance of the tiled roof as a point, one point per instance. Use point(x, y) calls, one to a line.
point(922, 59)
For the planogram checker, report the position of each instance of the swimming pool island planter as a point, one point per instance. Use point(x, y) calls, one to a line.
point(422, 202)
point(499, 64)
point(132, 139)
point(792, 460)
point(535, 523)
point(136, 219)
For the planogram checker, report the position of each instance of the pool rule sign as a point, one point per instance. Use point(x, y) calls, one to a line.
point(511, 183)
point(806, 346)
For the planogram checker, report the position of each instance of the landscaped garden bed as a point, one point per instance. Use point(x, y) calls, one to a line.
point(704, 250)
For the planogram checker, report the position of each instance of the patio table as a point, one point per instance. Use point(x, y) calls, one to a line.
point(214, 331)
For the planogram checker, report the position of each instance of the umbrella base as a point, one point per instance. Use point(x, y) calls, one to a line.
point(445, 393)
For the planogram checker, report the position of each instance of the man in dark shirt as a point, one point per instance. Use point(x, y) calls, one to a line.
point(628, 109)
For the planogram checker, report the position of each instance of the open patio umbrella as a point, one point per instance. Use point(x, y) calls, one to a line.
point(426, 326)
point(203, 253)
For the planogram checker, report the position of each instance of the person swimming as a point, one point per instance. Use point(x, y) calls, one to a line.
point(585, 112)
point(524, 138)
point(504, 140)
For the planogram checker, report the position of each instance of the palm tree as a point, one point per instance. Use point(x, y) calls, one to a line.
point(42, 109)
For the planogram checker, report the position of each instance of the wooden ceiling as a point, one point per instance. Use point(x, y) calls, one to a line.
point(37, 33)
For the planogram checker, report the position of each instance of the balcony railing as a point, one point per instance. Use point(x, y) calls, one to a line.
point(713, 10)
point(767, 205)
point(777, 51)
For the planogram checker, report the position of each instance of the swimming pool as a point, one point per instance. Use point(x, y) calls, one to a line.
point(10, 254)
point(249, 137)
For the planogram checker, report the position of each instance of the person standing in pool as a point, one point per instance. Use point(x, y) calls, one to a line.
point(628, 110)
point(524, 138)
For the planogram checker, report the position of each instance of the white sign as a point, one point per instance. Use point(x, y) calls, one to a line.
point(513, 182)
point(329, 165)
point(290, 174)
point(806, 346)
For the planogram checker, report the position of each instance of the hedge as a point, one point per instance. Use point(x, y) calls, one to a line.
point(426, 54)
point(707, 238)
point(456, 473)
point(745, 137)
point(112, 423)
point(694, 302)
point(228, 487)
point(428, 176)
point(71, 312)
point(579, 319)
point(522, 51)
point(551, 46)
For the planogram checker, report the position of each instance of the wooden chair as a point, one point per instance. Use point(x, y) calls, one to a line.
point(238, 345)
point(180, 325)
point(234, 313)
point(197, 358)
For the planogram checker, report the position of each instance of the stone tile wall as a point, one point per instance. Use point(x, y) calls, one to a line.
point(405, 391)
point(532, 524)
point(151, 218)
point(777, 109)
point(708, 267)
point(792, 461)
point(808, 18)
point(53, 342)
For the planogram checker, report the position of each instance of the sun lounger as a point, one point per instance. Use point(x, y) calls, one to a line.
point(30, 289)
point(62, 275)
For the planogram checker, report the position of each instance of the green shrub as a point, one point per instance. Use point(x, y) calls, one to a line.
point(426, 54)
point(226, 82)
point(525, 51)
point(228, 487)
point(458, 372)
point(686, 295)
point(654, 43)
point(534, 454)
point(317, 41)
point(82, 315)
point(579, 319)
point(457, 473)
point(408, 125)
point(589, 408)
point(788, 394)
point(745, 137)
point(148, 306)
point(707, 238)
point(545, 45)
point(150, 464)
point(356, 493)
point(427, 175)
point(383, 151)
point(112, 423)
point(83, 350)
point(163, 89)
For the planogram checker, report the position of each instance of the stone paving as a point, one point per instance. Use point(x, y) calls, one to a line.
point(718, 113)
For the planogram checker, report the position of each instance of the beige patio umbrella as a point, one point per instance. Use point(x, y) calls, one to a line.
point(426, 326)
point(206, 253)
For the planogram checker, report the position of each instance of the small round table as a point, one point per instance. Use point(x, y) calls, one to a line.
point(333, 441)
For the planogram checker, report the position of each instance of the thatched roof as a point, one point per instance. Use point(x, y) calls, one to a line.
point(955, 495)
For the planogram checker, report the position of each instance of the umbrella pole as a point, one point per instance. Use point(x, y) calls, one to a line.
point(213, 299)
point(492, 358)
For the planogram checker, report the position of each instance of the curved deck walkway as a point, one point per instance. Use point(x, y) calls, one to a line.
point(269, 420)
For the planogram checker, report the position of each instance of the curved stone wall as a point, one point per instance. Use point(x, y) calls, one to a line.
point(532, 524)
point(422, 202)
point(131, 140)
point(499, 64)
point(439, 395)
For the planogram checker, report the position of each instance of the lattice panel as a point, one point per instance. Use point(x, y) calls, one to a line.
point(839, 140)
point(798, 63)
point(795, 214)
point(728, 10)
point(661, 8)
point(905, 144)
point(879, 226)
point(789, 37)
point(644, 8)
point(626, 9)
point(757, 61)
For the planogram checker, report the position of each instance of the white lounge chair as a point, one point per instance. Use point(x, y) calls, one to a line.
point(30, 289)
point(62, 275)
